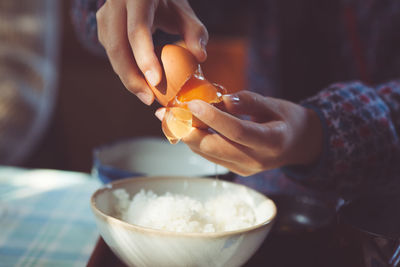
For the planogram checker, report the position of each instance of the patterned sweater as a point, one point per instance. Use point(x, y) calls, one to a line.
point(340, 58)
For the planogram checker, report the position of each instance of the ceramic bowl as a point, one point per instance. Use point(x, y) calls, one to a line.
point(150, 156)
point(141, 246)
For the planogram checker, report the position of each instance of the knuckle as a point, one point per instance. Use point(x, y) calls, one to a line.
point(195, 27)
point(100, 14)
point(101, 24)
point(142, 53)
point(136, 30)
point(245, 99)
point(132, 84)
point(144, 63)
point(238, 133)
point(132, 32)
point(131, 88)
point(211, 116)
point(256, 165)
point(190, 141)
point(244, 93)
point(205, 147)
point(253, 99)
point(113, 48)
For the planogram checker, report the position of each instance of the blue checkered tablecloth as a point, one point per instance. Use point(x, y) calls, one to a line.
point(45, 217)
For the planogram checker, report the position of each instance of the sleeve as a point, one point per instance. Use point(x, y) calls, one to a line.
point(361, 127)
point(83, 14)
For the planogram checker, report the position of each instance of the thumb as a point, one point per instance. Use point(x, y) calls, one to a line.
point(194, 33)
point(196, 42)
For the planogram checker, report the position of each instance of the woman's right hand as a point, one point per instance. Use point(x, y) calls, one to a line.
point(125, 30)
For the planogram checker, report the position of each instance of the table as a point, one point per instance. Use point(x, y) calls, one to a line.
point(45, 220)
point(45, 217)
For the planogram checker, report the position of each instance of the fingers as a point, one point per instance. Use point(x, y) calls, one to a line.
point(253, 104)
point(139, 24)
point(193, 31)
point(217, 146)
point(244, 132)
point(125, 30)
point(240, 159)
point(111, 19)
point(160, 113)
point(212, 144)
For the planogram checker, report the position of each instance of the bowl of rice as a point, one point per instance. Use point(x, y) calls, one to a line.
point(182, 221)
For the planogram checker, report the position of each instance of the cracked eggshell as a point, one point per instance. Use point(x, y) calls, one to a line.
point(178, 65)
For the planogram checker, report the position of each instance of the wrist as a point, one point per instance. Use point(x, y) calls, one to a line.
point(309, 147)
point(313, 171)
point(315, 136)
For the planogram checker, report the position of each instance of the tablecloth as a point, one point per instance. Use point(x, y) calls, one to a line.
point(45, 217)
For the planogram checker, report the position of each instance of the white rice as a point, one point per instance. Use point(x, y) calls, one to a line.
point(179, 213)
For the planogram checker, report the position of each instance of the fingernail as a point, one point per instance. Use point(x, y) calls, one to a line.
point(203, 44)
point(195, 108)
point(151, 77)
point(234, 99)
point(145, 98)
point(160, 113)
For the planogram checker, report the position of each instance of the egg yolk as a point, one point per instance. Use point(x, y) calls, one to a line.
point(178, 120)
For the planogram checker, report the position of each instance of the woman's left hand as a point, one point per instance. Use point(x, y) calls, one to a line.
point(278, 133)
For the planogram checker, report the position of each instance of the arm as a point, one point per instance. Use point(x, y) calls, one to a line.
point(361, 130)
point(279, 133)
point(345, 140)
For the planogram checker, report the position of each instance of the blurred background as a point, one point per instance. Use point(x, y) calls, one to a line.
point(80, 101)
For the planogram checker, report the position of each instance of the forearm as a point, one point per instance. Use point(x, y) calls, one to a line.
point(361, 128)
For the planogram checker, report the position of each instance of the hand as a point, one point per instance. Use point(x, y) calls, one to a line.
point(125, 30)
point(279, 133)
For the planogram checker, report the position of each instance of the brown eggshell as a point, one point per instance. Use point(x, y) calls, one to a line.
point(178, 65)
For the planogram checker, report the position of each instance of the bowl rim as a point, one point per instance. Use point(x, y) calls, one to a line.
point(129, 226)
point(97, 154)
